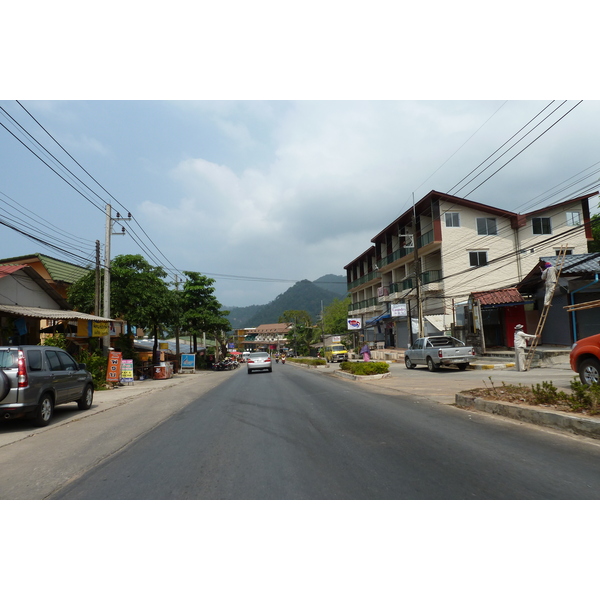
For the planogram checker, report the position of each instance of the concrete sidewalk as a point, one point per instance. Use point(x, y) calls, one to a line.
point(13, 431)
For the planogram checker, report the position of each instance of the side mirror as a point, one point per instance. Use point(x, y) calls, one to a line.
point(82, 367)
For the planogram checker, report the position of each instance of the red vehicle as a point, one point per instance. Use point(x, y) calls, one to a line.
point(585, 359)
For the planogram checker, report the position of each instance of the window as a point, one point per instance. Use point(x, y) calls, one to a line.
point(34, 360)
point(573, 219)
point(478, 259)
point(53, 360)
point(486, 226)
point(452, 219)
point(568, 252)
point(67, 362)
point(541, 225)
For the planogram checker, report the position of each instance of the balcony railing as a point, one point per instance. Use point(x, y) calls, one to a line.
point(431, 276)
point(364, 304)
point(363, 279)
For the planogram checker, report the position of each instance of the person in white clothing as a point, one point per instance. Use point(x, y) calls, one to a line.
point(549, 279)
point(520, 344)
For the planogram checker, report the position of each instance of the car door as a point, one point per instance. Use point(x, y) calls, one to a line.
point(416, 355)
point(76, 377)
point(62, 380)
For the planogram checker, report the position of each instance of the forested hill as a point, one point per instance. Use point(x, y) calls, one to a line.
point(304, 295)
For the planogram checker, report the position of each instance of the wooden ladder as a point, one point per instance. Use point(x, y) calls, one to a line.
point(560, 261)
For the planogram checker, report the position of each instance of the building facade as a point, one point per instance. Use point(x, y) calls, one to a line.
point(435, 254)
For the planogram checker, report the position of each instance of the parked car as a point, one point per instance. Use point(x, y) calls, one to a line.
point(35, 379)
point(336, 353)
point(438, 351)
point(585, 359)
point(259, 361)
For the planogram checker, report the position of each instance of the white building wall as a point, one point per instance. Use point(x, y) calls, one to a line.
point(21, 290)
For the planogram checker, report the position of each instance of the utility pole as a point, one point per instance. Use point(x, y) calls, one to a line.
point(177, 324)
point(108, 233)
point(417, 267)
point(97, 282)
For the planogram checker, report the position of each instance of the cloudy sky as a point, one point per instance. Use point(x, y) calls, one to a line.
point(259, 194)
point(276, 153)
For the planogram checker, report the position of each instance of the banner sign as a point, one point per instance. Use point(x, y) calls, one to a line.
point(188, 361)
point(127, 370)
point(398, 310)
point(354, 324)
point(93, 328)
point(113, 372)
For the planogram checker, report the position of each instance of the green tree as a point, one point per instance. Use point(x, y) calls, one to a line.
point(139, 294)
point(594, 245)
point(201, 311)
point(335, 316)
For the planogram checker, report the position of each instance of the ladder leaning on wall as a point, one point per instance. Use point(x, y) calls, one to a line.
point(560, 261)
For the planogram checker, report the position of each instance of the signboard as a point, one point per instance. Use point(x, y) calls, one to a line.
point(398, 310)
point(354, 324)
point(188, 361)
point(127, 370)
point(113, 372)
point(93, 328)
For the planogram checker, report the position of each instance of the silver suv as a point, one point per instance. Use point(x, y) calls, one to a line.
point(35, 379)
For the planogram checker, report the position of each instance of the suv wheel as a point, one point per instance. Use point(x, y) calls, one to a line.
point(44, 411)
point(85, 402)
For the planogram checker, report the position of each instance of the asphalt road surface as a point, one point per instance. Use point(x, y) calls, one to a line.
point(295, 434)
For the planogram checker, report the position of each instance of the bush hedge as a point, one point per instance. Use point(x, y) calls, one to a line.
point(365, 368)
point(312, 362)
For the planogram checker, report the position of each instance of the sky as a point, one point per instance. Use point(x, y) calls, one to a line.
point(260, 194)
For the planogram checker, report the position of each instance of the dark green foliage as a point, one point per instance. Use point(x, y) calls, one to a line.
point(312, 362)
point(365, 368)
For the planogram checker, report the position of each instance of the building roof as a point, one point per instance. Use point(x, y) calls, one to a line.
point(502, 296)
point(273, 328)
point(575, 265)
point(49, 313)
point(59, 270)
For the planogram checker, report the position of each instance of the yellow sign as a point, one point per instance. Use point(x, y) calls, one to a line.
point(100, 328)
point(163, 345)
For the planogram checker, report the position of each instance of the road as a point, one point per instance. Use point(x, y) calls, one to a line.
point(298, 434)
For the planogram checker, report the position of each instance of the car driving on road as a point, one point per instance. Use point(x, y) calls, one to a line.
point(35, 379)
point(259, 361)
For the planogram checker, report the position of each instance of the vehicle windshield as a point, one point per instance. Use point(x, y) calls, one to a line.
point(8, 359)
point(338, 348)
point(259, 355)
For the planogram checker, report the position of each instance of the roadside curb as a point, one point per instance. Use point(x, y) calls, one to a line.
point(491, 366)
point(586, 426)
point(345, 375)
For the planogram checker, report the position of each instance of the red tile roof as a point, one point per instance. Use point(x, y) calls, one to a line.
point(501, 296)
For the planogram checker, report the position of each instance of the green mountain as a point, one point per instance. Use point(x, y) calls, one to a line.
point(304, 295)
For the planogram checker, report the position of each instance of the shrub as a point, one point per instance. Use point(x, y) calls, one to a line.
point(59, 340)
point(365, 368)
point(312, 362)
point(96, 364)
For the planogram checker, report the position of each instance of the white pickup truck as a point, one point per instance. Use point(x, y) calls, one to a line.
point(438, 351)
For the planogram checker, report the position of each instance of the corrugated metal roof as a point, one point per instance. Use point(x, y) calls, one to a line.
point(577, 263)
point(500, 296)
point(49, 313)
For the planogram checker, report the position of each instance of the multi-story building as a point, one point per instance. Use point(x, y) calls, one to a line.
point(433, 256)
point(271, 336)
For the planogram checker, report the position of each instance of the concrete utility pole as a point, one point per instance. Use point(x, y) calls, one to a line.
point(108, 233)
point(97, 281)
point(417, 267)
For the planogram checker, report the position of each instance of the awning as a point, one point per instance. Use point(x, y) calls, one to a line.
point(438, 321)
point(49, 313)
point(377, 319)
